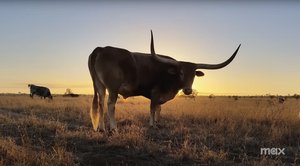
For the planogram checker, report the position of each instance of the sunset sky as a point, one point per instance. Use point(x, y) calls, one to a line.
point(48, 43)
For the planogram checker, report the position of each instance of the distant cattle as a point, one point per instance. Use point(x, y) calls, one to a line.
point(281, 100)
point(39, 91)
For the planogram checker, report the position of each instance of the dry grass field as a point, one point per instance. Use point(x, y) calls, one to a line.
point(218, 131)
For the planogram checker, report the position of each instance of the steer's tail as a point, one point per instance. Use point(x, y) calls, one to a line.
point(94, 113)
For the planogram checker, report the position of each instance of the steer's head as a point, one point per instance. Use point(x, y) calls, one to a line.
point(185, 72)
point(189, 73)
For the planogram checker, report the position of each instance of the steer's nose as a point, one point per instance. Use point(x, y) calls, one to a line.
point(187, 91)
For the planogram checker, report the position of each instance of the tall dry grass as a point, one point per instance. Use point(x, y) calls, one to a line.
point(204, 131)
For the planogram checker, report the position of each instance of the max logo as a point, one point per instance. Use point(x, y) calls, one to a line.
point(272, 151)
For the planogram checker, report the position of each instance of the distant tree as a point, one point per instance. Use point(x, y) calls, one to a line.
point(194, 93)
point(235, 97)
point(180, 94)
point(270, 96)
point(68, 91)
point(296, 96)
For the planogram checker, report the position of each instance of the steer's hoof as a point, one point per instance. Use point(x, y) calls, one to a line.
point(153, 127)
point(102, 130)
point(113, 132)
point(158, 126)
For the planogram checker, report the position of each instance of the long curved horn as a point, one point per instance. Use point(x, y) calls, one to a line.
point(152, 46)
point(158, 58)
point(220, 65)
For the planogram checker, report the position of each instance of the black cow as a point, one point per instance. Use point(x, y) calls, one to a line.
point(39, 91)
point(156, 77)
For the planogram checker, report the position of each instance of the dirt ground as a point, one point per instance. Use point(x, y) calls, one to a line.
point(200, 131)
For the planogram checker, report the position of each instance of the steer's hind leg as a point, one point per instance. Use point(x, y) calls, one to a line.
point(101, 93)
point(96, 112)
point(112, 98)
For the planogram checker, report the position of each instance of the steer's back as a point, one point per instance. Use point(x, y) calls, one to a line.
point(114, 67)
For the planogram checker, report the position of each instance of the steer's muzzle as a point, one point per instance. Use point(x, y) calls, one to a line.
point(187, 91)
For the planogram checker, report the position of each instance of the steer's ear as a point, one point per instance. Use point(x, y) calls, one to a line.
point(199, 73)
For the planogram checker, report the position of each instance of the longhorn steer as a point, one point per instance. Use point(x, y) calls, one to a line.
point(156, 77)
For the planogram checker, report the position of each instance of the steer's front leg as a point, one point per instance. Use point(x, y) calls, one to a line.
point(157, 113)
point(112, 98)
point(153, 108)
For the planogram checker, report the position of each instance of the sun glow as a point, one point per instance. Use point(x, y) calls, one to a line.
point(48, 44)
